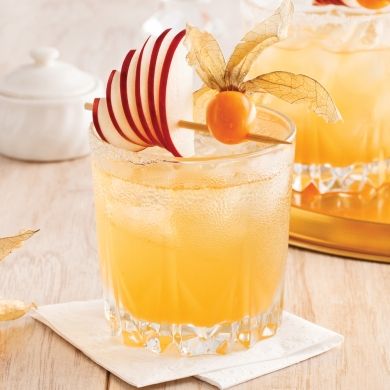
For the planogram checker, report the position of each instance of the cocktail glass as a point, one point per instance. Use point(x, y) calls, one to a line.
point(348, 51)
point(193, 250)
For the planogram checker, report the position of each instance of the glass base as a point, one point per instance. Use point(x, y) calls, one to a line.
point(190, 340)
point(353, 178)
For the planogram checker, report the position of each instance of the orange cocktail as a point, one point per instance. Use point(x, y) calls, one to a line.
point(193, 250)
point(348, 51)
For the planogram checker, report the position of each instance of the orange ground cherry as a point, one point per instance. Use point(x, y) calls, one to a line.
point(374, 4)
point(230, 116)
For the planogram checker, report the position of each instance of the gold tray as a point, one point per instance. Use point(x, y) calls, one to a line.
point(350, 225)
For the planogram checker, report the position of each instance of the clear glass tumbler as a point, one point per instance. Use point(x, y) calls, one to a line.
point(193, 250)
point(348, 51)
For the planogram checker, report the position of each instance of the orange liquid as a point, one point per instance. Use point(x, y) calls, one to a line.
point(358, 82)
point(196, 256)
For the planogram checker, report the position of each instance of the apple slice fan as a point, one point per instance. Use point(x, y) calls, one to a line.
point(150, 101)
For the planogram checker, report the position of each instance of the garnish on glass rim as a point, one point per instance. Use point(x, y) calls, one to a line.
point(147, 102)
point(11, 309)
point(370, 4)
point(204, 129)
point(221, 78)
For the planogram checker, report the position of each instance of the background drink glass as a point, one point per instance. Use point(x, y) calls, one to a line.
point(193, 251)
point(348, 51)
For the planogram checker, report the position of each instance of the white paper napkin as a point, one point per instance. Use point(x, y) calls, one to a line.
point(83, 325)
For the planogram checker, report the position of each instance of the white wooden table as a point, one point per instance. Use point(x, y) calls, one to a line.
point(60, 264)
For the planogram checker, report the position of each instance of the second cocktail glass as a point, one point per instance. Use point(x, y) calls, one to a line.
point(348, 51)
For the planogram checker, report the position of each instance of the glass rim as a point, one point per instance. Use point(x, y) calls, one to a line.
point(322, 9)
point(151, 157)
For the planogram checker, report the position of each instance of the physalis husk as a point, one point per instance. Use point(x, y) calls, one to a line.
point(13, 309)
point(205, 55)
point(8, 244)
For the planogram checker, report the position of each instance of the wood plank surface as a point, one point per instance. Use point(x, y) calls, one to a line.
point(59, 264)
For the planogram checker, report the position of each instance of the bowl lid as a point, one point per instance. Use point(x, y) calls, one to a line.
point(46, 78)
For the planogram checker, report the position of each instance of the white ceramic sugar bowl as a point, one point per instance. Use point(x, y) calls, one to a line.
point(42, 116)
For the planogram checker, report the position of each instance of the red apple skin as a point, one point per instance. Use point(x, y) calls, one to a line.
point(151, 81)
point(110, 110)
point(105, 129)
point(116, 112)
point(95, 120)
point(163, 92)
point(124, 96)
point(327, 2)
point(138, 99)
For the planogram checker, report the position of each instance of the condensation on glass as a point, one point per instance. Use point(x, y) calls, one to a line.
point(193, 251)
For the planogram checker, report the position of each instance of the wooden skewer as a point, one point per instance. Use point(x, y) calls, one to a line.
point(204, 129)
point(251, 137)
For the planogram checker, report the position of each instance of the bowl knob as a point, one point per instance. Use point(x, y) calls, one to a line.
point(44, 55)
